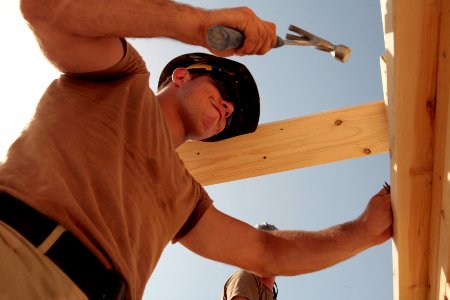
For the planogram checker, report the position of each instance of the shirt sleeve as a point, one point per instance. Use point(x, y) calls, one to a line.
point(201, 207)
point(131, 63)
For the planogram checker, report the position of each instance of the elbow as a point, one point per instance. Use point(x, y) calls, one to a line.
point(264, 260)
point(275, 258)
point(29, 9)
point(37, 11)
point(266, 271)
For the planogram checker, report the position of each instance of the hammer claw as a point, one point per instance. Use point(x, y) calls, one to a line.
point(305, 38)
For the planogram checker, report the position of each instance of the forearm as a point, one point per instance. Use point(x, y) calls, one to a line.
point(113, 18)
point(299, 252)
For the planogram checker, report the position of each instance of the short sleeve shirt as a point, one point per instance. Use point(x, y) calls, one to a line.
point(98, 158)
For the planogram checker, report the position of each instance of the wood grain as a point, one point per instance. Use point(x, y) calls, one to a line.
point(290, 144)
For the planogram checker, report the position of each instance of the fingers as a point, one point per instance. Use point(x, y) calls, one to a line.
point(382, 192)
point(378, 217)
point(384, 236)
point(259, 39)
point(382, 202)
point(260, 36)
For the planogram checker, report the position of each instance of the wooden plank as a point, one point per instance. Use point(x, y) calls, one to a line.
point(440, 218)
point(290, 144)
point(411, 38)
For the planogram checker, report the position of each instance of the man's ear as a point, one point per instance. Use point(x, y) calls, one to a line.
point(180, 76)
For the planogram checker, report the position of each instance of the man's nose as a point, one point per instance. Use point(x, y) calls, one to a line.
point(229, 108)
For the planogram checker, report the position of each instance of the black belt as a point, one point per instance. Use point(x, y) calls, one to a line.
point(68, 253)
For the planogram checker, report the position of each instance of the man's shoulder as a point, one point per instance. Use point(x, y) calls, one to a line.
point(243, 284)
point(244, 275)
point(131, 63)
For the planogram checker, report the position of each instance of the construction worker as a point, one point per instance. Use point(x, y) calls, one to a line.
point(244, 285)
point(93, 190)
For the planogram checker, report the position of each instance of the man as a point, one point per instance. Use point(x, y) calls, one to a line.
point(244, 285)
point(93, 190)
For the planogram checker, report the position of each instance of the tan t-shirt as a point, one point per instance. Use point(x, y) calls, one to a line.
point(247, 285)
point(97, 157)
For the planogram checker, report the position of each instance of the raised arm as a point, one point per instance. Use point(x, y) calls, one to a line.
point(222, 238)
point(83, 35)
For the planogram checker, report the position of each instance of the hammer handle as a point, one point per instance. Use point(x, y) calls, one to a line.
point(222, 38)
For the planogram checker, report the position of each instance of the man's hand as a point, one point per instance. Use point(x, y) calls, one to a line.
point(260, 35)
point(376, 220)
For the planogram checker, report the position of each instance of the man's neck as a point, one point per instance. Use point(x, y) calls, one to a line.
point(171, 117)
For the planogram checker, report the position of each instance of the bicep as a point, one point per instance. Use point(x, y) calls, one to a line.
point(222, 238)
point(69, 52)
point(73, 54)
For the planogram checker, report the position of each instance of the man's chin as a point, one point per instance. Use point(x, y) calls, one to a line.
point(201, 136)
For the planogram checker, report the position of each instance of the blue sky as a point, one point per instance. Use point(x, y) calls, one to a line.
point(293, 81)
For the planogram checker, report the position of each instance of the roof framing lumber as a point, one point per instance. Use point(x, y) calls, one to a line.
point(291, 144)
point(440, 213)
point(418, 136)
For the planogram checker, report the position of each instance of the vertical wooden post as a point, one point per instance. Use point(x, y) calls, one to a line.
point(411, 29)
point(440, 213)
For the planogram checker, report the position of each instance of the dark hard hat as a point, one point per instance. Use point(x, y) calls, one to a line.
point(235, 84)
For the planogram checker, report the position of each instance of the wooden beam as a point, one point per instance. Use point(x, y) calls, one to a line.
point(290, 144)
point(411, 36)
point(440, 213)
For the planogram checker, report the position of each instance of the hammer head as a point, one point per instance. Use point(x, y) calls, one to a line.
point(305, 38)
point(341, 53)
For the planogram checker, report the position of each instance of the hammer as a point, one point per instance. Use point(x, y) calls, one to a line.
point(221, 38)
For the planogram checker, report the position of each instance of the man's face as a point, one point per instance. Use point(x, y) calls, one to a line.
point(203, 109)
